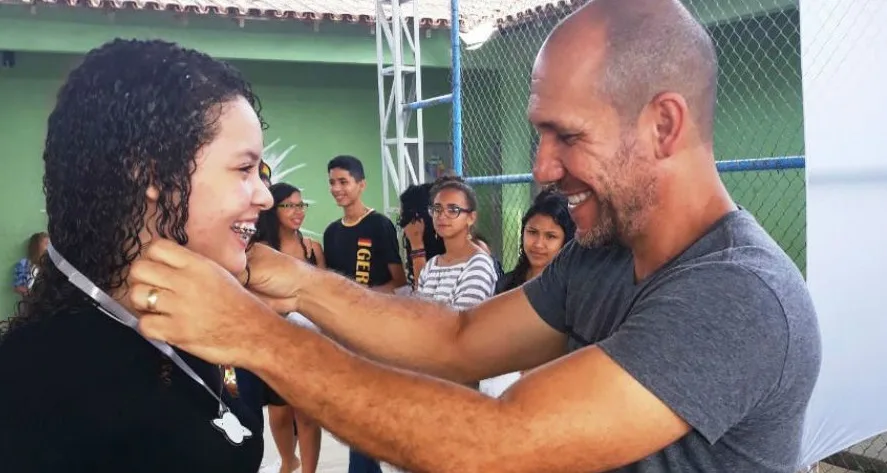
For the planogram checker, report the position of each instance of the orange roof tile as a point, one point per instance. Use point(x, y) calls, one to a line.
point(432, 13)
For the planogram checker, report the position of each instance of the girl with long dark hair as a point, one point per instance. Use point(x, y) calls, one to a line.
point(280, 228)
point(545, 228)
point(147, 140)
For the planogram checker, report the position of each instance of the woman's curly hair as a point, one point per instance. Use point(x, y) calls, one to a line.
point(414, 202)
point(133, 113)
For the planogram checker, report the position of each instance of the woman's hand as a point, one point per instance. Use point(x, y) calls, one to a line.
point(415, 232)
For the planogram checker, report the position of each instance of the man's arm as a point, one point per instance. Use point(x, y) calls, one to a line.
point(580, 413)
point(594, 410)
point(501, 335)
point(597, 409)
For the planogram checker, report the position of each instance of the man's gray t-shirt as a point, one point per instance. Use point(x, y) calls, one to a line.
point(725, 335)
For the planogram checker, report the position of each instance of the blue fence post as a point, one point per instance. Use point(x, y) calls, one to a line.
point(733, 165)
point(457, 87)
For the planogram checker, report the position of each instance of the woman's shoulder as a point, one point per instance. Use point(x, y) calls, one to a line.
point(80, 340)
point(313, 244)
point(507, 282)
point(481, 258)
point(430, 263)
point(481, 265)
point(77, 364)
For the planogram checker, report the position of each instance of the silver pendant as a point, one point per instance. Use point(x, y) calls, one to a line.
point(230, 425)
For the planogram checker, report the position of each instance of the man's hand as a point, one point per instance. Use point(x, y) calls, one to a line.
point(275, 278)
point(192, 303)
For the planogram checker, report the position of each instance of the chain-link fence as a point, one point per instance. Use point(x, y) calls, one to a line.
point(759, 116)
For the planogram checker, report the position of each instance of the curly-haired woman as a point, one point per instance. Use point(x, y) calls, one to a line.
point(146, 140)
point(419, 240)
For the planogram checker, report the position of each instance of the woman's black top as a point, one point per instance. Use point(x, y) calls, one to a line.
point(508, 282)
point(81, 392)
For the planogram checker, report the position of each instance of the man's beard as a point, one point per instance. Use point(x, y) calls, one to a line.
point(603, 233)
point(619, 224)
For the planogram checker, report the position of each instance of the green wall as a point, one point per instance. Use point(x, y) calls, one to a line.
point(323, 109)
point(759, 115)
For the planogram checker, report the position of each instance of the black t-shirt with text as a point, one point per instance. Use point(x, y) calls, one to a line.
point(362, 251)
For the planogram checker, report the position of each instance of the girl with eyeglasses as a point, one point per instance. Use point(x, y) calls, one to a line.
point(280, 228)
point(464, 275)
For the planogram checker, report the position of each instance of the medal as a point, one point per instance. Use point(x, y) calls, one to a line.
point(230, 425)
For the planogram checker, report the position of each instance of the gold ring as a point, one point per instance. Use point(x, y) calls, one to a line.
point(152, 299)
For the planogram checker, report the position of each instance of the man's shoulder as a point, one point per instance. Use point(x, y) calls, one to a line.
point(740, 248)
point(334, 225)
point(575, 259)
point(378, 218)
point(749, 273)
point(758, 275)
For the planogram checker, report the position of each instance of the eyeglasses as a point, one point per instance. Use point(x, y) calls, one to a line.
point(290, 206)
point(450, 211)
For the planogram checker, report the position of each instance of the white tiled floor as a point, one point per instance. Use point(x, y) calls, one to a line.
point(333, 454)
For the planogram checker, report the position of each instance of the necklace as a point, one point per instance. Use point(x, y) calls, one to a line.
point(227, 422)
point(366, 211)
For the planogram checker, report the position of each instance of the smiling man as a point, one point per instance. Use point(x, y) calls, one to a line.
point(673, 336)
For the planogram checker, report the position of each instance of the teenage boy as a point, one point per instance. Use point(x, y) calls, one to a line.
point(362, 245)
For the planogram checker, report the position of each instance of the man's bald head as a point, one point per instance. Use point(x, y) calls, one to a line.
point(650, 47)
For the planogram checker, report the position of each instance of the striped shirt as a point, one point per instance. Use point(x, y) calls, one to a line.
point(461, 285)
